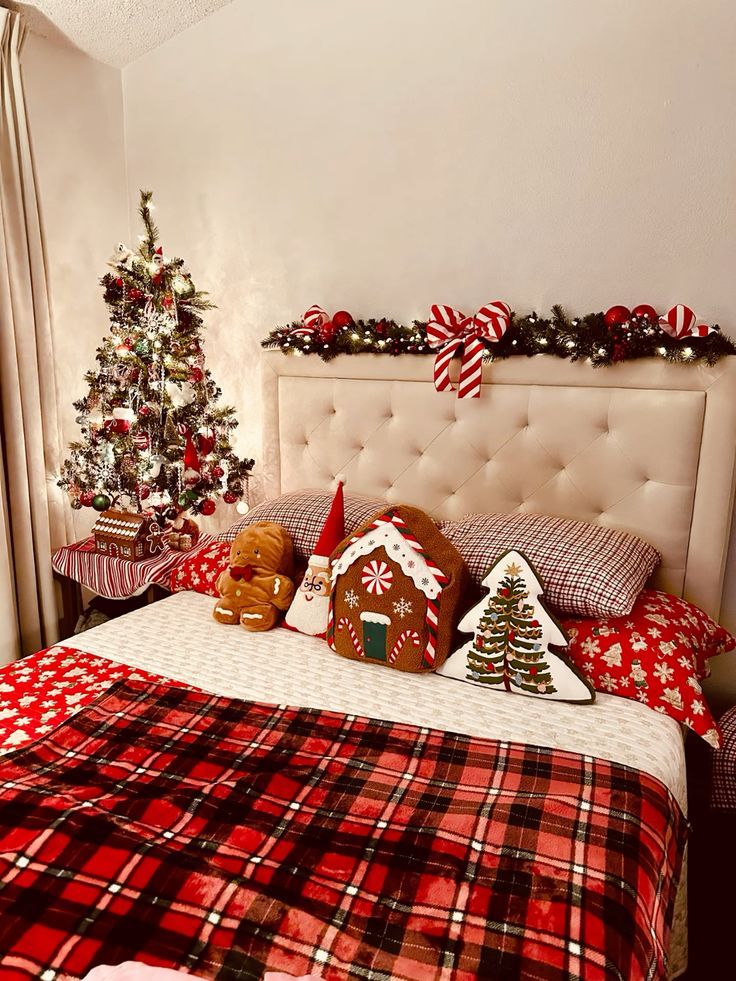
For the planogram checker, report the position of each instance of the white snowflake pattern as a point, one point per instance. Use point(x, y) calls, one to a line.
point(697, 707)
point(590, 647)
point(663, 671)
point(402, 607)
point(607, 682)
point(351, 598)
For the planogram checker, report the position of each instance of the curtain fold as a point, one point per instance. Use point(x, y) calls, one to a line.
point(35, 522)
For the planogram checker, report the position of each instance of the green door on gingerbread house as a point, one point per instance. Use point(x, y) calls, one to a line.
point(375, 627)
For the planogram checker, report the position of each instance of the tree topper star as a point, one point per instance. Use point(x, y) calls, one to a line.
point(513, 569)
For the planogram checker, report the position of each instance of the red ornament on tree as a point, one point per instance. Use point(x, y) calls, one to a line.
point(144, 491)
point(118, 281)
point(645, 312)
point(230, 497)
point(615, 316)
point(327, 331)
point(86, 497)
point(217, 472)
point(135, 294)
point(206, 443)
point(196, 374)
point(168, 301)
point(207, 506)
point(342, 319)
point(144, 411)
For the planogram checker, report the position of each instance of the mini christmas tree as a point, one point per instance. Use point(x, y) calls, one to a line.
point(513, 631)
point(153, 434)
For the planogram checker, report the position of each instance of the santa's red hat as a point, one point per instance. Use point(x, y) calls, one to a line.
point(333, 530)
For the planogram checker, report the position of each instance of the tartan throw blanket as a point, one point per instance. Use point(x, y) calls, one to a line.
point(227, 837)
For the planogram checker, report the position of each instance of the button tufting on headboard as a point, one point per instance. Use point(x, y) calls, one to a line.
point(626, 447)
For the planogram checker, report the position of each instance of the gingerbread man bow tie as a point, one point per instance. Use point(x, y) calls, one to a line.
point(244, 572)
point(450, 331)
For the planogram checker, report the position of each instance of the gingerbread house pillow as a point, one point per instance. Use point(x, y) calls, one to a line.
point(397, 586)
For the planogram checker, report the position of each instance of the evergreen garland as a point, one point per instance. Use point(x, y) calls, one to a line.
point(587, 338)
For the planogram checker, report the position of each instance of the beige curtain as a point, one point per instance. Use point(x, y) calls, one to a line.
point(34, 517)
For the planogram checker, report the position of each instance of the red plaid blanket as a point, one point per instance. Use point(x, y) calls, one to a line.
point(227, 837)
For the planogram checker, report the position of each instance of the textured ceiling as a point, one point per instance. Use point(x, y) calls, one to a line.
point(115, 31)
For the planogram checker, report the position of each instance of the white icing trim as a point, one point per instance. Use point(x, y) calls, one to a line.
point(368, 617)
point(387, 536)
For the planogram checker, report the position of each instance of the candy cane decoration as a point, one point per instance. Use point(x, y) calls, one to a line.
point(681, 322)
point(344, 622)
point(404, 636)
point(450, 332)
point(312, 320)
point(377, 577)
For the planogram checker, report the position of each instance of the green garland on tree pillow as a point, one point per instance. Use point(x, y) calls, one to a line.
point(513, 639)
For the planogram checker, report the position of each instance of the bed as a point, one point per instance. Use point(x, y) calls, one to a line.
point(549, 437)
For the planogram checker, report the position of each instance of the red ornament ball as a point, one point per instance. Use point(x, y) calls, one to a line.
point(217, 472)
point(144, 491)
point(168, 301)
point(645, 312)
point(144, 411)
point(327, 331)
point(135, 294)
point(207, 506)
point(230, 497)
point(86, 497)
point(342, 319)
point(196, 374)
point(118, 281)
point(615, 316)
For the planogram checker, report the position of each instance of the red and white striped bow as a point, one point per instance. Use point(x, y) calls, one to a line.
point(680, 322)
point(313, 319)
point(449, 331)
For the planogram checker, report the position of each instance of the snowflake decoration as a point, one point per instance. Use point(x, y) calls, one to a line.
point(402, 607)
point(351, 598)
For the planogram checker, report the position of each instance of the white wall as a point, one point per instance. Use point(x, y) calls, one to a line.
point(381, 156)
point(75, 112)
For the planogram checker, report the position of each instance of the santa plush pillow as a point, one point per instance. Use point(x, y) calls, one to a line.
point(309, 608)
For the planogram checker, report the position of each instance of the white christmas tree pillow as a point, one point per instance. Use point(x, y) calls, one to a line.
point(513, 633)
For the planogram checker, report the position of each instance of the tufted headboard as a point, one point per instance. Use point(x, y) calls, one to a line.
point(646, 446)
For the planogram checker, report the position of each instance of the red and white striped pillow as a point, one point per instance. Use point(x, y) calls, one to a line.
point(303, 513)
point(587, 569)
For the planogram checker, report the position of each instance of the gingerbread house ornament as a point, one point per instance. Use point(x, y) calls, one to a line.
point(127, 535)
point(397, 583)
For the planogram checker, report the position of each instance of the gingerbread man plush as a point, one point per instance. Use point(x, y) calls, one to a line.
point(257, 587)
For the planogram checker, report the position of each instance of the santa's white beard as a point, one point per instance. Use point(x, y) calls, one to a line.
point(308, 614)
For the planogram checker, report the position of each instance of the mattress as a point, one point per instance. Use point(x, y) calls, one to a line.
point(178, 638)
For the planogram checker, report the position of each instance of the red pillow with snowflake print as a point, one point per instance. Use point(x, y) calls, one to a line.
point(657, 654)
point(199, 570)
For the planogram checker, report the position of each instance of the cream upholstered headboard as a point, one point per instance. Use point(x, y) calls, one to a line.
point(646, 446)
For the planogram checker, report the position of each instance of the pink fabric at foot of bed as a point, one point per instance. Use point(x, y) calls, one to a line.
point(136, 971)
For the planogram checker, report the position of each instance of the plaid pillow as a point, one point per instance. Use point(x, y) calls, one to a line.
point(303, 513)
point(723, 785)
point(657, 654)
point(587, 569)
